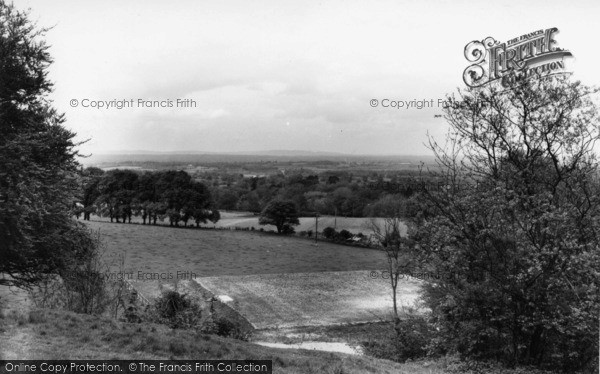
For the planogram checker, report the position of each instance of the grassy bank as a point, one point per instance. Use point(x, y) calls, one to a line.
point(54, 334)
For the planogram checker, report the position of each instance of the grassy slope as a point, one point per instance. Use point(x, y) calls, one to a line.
point(53, 334)
point(215, 253)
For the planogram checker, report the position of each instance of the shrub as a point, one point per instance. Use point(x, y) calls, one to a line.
point(179, 311)
point(287, 229)
point(344, 235)
point(176, 310)
point(410, 338)
point(81, 285)
point(228, 328)
point(329, 232)
point(413, 336)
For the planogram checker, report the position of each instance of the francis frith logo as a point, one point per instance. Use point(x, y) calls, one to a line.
point(530, 54)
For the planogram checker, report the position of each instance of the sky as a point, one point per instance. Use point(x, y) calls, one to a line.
point(280, 75)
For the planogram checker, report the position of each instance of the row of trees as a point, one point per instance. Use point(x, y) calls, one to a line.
point(121, 194)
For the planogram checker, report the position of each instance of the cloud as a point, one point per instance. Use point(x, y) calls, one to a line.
point(272, 75)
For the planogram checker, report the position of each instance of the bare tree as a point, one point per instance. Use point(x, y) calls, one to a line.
point(397, 248)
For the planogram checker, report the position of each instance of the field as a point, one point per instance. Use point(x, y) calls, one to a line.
point(311, 299)
point(273, 281)
point(296, 294)
point(248, 220)
point(160, 249)
point(244, 219)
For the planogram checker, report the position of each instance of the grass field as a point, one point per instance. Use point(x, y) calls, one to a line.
point(166, 250)
point(248, 220)
point(274, 281)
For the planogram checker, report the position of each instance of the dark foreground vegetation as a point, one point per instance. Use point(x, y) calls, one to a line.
point(516, 247)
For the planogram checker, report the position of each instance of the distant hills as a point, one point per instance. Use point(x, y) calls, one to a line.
point(272, 152)
point(246, 156)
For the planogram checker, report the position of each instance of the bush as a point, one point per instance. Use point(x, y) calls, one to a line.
point(81, 286)
point(230, 329)
point(411, 339)
point(176, 310)
point(329, 232)
point(287, 230)
point(344, 235)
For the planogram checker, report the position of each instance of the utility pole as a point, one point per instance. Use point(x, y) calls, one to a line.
point(316, 226)
point(335, 218)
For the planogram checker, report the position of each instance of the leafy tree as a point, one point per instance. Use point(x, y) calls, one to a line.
point(227, 200)
point(38, 167)
point(387, 206)
point(279, 213)
point(250, 202)
point(516, 243)
point(117, 189)
point(91, 178)
point(158, 195)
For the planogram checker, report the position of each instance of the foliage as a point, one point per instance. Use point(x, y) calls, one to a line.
point(82, 284)
point(176, 310)
point(84, 281)
point(121, 194)
point(179, 311)
point(358, 194)
point(329, 232)
point(280, 213)
point(38, 167)
point(411, 340)
point(228, 328)
point(344, 235)
point(516, 235)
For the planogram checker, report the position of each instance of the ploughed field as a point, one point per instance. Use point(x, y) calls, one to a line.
point(312, 299)
point(271, 280)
